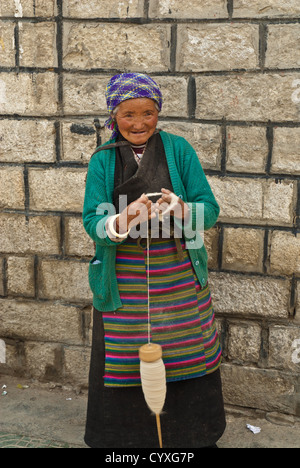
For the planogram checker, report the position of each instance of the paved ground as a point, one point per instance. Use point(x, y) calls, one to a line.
point(34, 415)
point(41, 415)
point(19, 441)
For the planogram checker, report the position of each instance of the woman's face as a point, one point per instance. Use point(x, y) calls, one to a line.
point(137, 120)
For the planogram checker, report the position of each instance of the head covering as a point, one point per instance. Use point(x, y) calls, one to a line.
point(129, 86)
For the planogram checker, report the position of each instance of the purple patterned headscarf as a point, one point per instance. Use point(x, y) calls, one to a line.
point(129, 86)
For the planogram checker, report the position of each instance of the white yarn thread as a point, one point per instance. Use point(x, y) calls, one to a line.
point(148, 283)
point(153, 376)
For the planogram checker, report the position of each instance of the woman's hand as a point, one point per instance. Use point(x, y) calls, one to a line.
point(179, 209)
point(137, 212)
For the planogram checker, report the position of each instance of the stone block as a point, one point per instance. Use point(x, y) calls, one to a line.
point(239, 199)
point(57, 189)
point(103, 9)
point(259, 97)
point(84, 94)
point(243, 249)
point(38, 45)
point(77, 364)
point(255, 201)
point(37, 235)
point(44, 8)
point(247, 149)
point(244, 342)
point(268, 390)
point(8, 8)
point(44, 361)
point(194, 9)
point(297, 311)
point(28, 8)
point(286, 155)
point(12, 193)
point(20, 276)
point(284, 348)
point(211, 242)
point(265, 8)
point(174, 91)
point(1, 276)
point(28, 94)
point(283, 46)
point(249, 296)
point(205, 139)
point(144, 48)
point(105, 133)
point(15, 8)
point(27, 141)
point(79, 141)
point(77, 240)
point(65, 280)
point(40, 321)
point(279, 206)
point(217, 46)
point(284, 253)
point(7, 49)
point(14, 357)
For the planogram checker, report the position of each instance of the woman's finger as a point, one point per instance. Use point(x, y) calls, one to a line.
point(142, 199)
point(167, 195)
point(167, 191)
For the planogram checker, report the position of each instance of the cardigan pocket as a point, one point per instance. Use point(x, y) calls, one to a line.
point(96, 277)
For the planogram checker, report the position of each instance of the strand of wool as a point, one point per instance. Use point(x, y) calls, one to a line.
point(153, 377)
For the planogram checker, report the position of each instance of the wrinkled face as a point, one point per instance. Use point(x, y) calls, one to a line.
point(137, 119)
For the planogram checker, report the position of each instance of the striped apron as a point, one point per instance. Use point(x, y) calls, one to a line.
point(181, 316)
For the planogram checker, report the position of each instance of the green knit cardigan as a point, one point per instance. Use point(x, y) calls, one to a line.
point(189, 183)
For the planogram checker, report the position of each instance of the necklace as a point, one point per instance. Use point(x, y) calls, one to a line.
point(138, 151)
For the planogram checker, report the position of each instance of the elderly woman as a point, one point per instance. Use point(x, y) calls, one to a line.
point(137, 160)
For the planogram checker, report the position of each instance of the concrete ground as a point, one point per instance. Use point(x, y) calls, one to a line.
point(35, 415)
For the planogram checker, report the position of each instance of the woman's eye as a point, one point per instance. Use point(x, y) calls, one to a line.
point(126, 116)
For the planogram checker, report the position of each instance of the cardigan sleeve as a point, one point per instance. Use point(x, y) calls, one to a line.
point(98, 206)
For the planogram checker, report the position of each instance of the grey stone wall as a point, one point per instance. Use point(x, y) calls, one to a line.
point(230, 75)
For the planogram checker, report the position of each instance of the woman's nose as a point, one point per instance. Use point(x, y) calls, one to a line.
point(138, 122)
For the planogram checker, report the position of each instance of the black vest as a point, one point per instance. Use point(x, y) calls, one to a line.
point(150, 175)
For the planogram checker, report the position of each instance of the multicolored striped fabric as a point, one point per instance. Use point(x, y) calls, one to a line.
point(129, 86)
point(182, 317)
